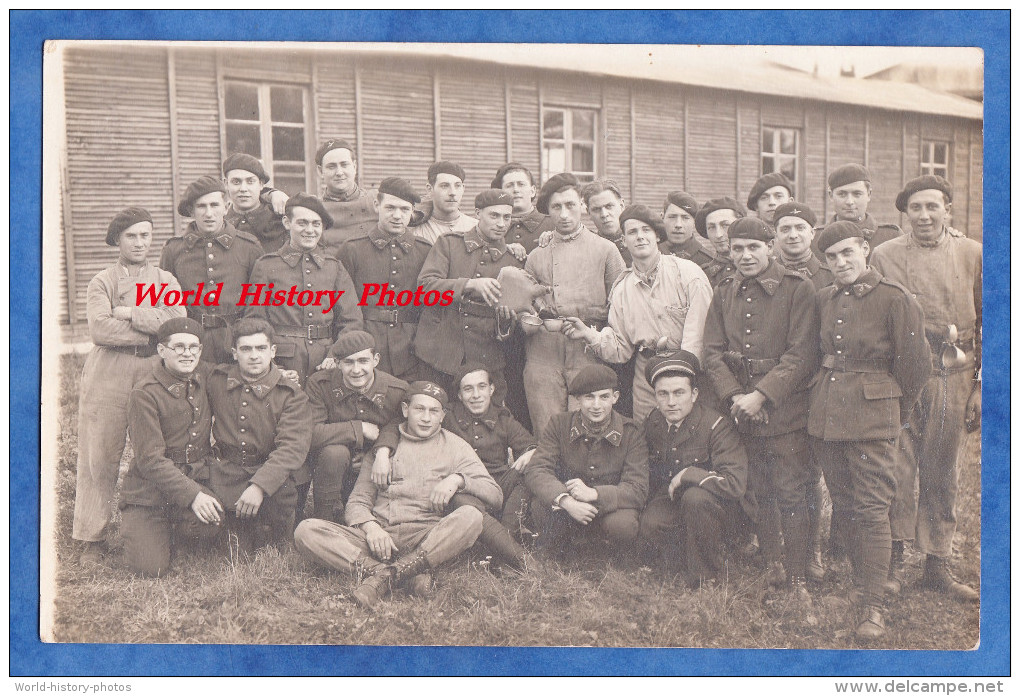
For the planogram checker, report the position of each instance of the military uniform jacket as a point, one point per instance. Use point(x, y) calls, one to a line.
point(378, 257)
point(264, 427)
point(352, 218)
point(871, 231)
point(875, 363)
point(525, 229)
point(708, 446)
point(614, 463)
point(225, 257)
point(695, 251)
point(620, 246)
point(762, 334)
point(312, 271)
point(169, 422)
point(263, 222)
point(466, 330)
point(338, 410)
point(812, 269)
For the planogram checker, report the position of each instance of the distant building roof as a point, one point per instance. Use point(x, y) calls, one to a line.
point(966, 81)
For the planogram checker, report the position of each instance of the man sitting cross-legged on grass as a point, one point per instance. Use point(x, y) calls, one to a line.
point(591, 465)
point(429, 466)
point(697, 472)
point(503, 445)
point(169, 421)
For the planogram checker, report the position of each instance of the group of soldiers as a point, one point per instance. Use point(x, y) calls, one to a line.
point(678, 382)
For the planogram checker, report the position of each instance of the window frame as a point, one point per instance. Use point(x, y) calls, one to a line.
point(567, 112)
point(777, 156)
point(926, 166)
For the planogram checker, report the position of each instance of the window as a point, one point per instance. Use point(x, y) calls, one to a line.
point(267, 121)
point(935, 158)
point(780, 151)
point(568, 142)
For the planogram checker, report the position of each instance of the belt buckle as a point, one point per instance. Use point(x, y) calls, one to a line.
point(208, 320)
point(394, 316)
point(308, 331)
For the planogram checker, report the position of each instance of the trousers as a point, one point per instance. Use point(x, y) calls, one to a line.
point(150, 534)
point(556, 529)
point(553, 360)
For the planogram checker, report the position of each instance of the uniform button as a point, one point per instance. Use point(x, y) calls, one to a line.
point(839, 352)
point(748, 316)
point(832, 379)
point(246, 389)
point(749, 331)
point(748, 299)
point(244, 403)
point(211, 257)
point(466, 328)
point(393, 272)
point(309, 285)
point(243, 443)
point(838, 337)
point(747, 345)
point(194, 434)
point(242, 416)
point(210, 270)
point(242, 430)
point(839, 321)
point(209, 245)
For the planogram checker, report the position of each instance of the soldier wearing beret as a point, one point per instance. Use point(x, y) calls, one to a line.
point(590, 469)
point(406, 519)
point(166, 495)
point(389, 254)
point(659, 303)
point(697, 473)
point(874, 365)
point(349, 404)
point(262, 428)
point(351, 207)
point(580, 267)
point(712, 222)
point(604, 202)
point(678, 215)
point(849, 189)
point(941, 268)
point(445, 188)
point(244, 178)
point(503, 445)
point(124, 341)
point(471, 328)
point(761, 350)
point(211, 251)
point(527, 224)
point(768, 193)
point(304, 334)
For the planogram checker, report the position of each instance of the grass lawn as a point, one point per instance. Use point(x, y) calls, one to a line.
point(211, 597)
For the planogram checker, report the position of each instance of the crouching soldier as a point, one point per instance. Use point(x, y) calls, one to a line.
point(876, 361)
point(697, 473)
point(262, 429)
point(429, 466)
point(349, 404)
point(591, 466)
point(165, 496)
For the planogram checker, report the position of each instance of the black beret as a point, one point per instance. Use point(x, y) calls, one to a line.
point(766, 182)
point(554, 184)
point(646, 215)
point(445, 167)
point(674, 362)
point(848, 174)
point(497, 182)
point(239, 160)
point(177, 325)
point(305, 200)
point(332, 144)
point(592, 379)
point(923, 183)
point(351, 342)
point(493, 197)
point(714, 205)
point(683, 200)
point(750, 228)
point(196, 189)
point(123, 220)
point(836, 232)
point(428, 389)
point(795, 209)
point(401, 188)
point(464, 370)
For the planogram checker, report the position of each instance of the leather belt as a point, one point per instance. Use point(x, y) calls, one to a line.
point(218, 321)
point(841, 363)
point(239, 456)
point(146, 351)
point(312, 332)
point(404, 315)
point(185, 455)
point(760, 367)
point(477, 310)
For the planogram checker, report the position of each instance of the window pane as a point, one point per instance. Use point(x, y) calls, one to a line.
point(583, 125)
point(241, 101)
point(768, 165)
point(554, 159)
point(289, 183)
point(288, 144)
point(941, 153)
point(768, 141)
point(789, 168)
point(788, 142)
point(287, 104)
point(244, 137)
point(552, 124)
point(582, 158)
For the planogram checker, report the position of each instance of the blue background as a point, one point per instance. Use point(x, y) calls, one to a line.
point(28, 30)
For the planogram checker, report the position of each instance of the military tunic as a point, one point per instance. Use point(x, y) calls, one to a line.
point(353, 216)
point(263, 222)
point(526, 228)
point(873, 232)
point(227, 257)
point(695, 251)
point(380, 258)
point(304, 334)
point(811, 268)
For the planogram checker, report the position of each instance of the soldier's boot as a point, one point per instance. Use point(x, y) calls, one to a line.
point(815, 567)
point(815, 570)
point(406, 567)
point(501, 542)
point(375, 581)
point(302, 500)
point(938, 578)
point(421, 585)
point(894, 583)
point(872, 627)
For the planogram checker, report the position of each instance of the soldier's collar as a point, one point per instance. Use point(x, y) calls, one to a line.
point(770, 278)
point(343, 198)
point(224, 237)
point(866, 223)
point(474, 240)
point(463, 415)
point(811, 264)
point(649, 277)
point(373, 392)
point(613, 432)
point(865, 284)
point(924, 244)
point(292, 256)
point(565, 238)
point(382, 239)
point(177, 386)
point(261, 388)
